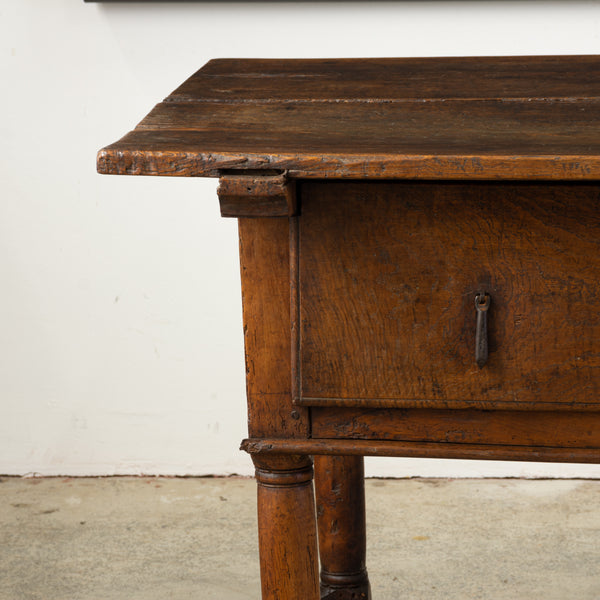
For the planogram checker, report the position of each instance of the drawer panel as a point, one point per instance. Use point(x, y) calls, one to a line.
point(387, 278)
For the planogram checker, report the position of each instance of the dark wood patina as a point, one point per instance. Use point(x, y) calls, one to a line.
point(419, 249)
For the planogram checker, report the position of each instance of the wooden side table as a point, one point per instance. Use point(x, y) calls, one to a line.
point(420, 265)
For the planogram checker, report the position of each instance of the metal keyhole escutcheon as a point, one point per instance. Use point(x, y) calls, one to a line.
point(482, 303)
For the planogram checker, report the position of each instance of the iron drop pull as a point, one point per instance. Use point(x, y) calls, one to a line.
point(482, 303)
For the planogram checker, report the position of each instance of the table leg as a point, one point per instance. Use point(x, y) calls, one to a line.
point(287, 532)
point(340, 490)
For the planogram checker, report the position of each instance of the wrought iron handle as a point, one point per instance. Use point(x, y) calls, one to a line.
point(482, 303)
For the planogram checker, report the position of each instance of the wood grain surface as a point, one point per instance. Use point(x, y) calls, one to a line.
point(251, 195)
point(265, 275)
point(287, 529)
point(341, 521)
point(388, 275)
point(353, 447)
point(385, 79)
point(477, 118)
point(500, 427)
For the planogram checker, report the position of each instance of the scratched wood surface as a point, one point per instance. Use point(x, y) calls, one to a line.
point(509, 427)
point(265, 275)
point(256, 196)
point(351, 79)
point(341, 520)
point(388, 274)
point(506, 117)
point(359, 447)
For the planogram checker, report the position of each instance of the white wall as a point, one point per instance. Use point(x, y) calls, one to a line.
point(120, 335)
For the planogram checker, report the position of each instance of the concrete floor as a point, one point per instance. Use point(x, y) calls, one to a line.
point(157, 538)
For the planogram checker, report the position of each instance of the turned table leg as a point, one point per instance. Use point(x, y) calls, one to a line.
point(287, 533)
point(340, 490)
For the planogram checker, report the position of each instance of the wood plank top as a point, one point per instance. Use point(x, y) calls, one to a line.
point(412, 118)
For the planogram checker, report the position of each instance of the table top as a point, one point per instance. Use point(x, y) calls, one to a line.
point(406, 118)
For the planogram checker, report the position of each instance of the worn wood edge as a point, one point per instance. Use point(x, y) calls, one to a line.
point(116, 160)
point(399, 403)
point(380, 100)
point(113, 161)
point(257, 195)
point(421, 450)
point(296, 383)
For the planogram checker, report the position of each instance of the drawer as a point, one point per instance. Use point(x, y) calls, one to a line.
point(387, 274)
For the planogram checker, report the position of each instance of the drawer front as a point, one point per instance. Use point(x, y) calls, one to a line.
point(387, 276)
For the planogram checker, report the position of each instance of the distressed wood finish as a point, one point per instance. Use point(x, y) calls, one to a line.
point(287, 528)
point(388, 277)
point(454, 118)
point(265, 275)
point(393, 79)
point(340, 493)
point(358, 296)
point(354, 447)
point(504, 427)
point(257, 196)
